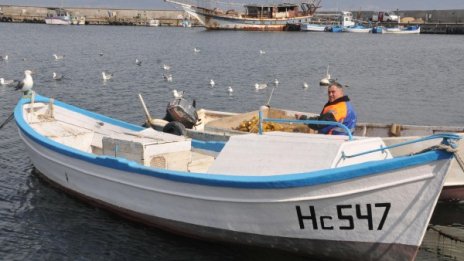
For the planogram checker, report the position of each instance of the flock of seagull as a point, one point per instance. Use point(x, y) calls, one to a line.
point(27, 83)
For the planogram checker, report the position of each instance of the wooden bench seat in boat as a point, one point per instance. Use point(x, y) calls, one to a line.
point(281, 153)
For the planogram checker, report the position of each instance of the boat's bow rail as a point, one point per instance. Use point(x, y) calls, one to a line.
point(448, 143)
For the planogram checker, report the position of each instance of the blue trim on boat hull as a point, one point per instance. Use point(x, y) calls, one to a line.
point(255, 182)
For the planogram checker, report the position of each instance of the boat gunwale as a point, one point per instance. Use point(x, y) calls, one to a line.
point(281, 181)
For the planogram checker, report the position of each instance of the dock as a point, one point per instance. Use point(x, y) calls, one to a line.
point(95, 16)
point(431, 21)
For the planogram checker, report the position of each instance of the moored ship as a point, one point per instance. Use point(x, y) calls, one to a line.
point(60, 17)
point(254, 17)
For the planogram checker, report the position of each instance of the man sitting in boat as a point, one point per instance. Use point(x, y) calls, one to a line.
point(338, 109)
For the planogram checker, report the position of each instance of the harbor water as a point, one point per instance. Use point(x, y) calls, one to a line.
point(405, 79)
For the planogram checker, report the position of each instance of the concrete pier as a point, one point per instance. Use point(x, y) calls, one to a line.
point(94, 16)
point(431, 21)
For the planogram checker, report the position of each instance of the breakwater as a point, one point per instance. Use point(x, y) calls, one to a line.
point(431, 21)
point(94, 16)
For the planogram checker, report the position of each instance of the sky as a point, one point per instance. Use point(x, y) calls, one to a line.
point(339, 5)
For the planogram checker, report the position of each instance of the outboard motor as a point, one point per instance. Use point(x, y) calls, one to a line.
point(183, 111)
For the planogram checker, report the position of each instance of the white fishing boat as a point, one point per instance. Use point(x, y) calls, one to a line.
point(413, 29)
point(253, 17)
point(358, 29)
point(78, 20)
point(153, 23)
point(58, 17)
point(219, 126)
point(307, 27)
point(327, 197)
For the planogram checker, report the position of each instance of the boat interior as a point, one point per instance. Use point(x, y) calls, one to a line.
point(87, 134)
point(274, 153)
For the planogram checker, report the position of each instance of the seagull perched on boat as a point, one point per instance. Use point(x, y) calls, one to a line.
point(196, 50)
point(138, 62)
point(166, 67)
point(57, 76)
point(167, 77)
point(260, 86)
point(58, 57)
point(212, 83)
point(5, 82)
point(305, 85)
point(25, 85)
point(177, 94)
point(230, 90)
point(106, 76)
point(4, 58)
point(262, 52)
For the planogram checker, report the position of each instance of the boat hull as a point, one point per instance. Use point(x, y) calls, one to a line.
point(400, 31)
point(358, 30)
point(303, 219)
point(213, 21)
point(307, 247)
point(58, 21)
point(312, 28)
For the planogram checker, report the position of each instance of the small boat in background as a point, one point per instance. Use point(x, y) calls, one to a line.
point(153, 22)
point(312, 27)
point(78, 20)
point(413, 29)
point(358, 29)
point(377, 29)
point(317, 195)
point(59, 17)
point(334, 28)
point(186, 23)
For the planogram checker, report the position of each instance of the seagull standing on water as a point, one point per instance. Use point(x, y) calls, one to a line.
point(166, 67)
point(58, 57)
point(138, 62)
point(305, 85)
point(167, 77)
point(276, 82)
point(57, 77)
point(196, 50)
point(262, 52)
point(177, 94)
point(4, 58)
point(25, 85)
point(260, 86)
point(230, 90)
point(107, 76)
point(212, 83)
point(5, 82)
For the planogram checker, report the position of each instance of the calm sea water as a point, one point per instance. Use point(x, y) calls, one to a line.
point(416, 79)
